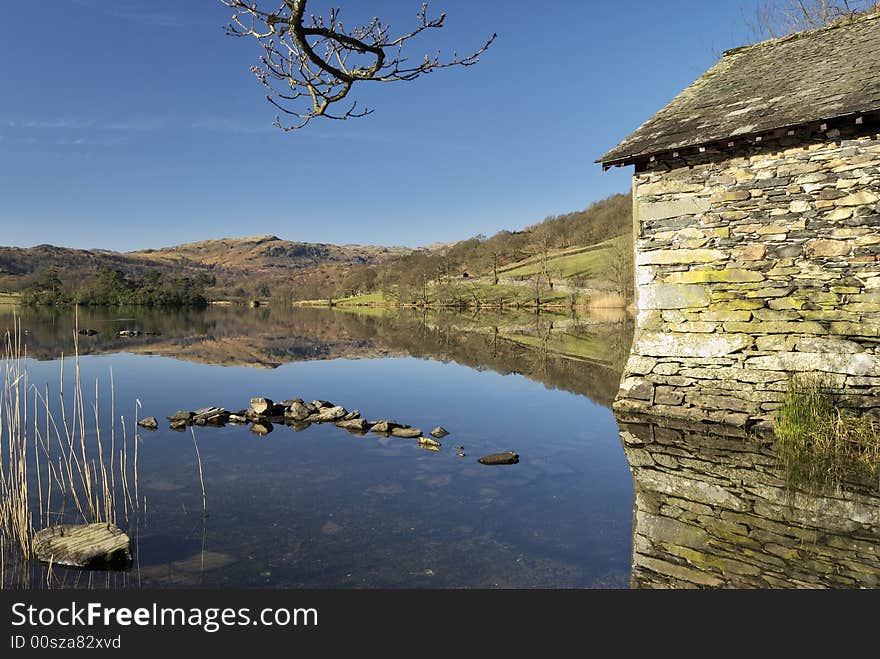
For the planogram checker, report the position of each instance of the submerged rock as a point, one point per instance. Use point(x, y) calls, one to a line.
point(149, 422)
point(503, 458)
point(127, 333)
point(87, 332)
point(439, 432)
point(100, 545)
point(408, 433)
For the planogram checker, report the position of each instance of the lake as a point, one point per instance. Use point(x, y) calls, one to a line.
point(594, 502)
point(325, 508)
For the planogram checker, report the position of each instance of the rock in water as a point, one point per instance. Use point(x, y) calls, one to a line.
point(384, 426)
point(261, 405)
point(327, 414)
point(504, 458)
point(297, 411)
point(354, 414)
point(427, 442)
point(359, 425)
point(150, 423)
point(100, 545)
point(408, 433)
point(439, 432)
point(181, 415)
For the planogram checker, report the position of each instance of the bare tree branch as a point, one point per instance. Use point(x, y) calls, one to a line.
point(310, 64)
point(777, 18)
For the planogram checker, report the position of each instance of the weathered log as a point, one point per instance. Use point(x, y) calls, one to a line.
point(99, 545)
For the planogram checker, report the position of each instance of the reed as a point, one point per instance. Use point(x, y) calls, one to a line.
point(53, 461)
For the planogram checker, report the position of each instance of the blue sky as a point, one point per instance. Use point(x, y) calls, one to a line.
point(129, 124)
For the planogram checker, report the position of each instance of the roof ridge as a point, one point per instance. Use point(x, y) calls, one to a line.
point(844, 21)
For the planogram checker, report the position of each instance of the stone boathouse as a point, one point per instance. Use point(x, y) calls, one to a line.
point(756, 198)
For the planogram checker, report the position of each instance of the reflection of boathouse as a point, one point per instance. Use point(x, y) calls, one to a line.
point(711, 511)
point(757, 219)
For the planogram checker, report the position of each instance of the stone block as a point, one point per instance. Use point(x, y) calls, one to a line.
point(848, 364)
point(724, 275)
point(675, 208)
point(673, 296)
point(680, 256)
point(861, 198)
point(655, 344)
point(828, 248)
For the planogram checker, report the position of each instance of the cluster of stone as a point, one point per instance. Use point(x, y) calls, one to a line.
point(751, 265)
point(715, 512)
point(263, 413)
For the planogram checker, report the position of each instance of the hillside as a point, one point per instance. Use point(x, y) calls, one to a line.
point(265, 254)
point(560, 261)
point(254, 266)
point(566, 260)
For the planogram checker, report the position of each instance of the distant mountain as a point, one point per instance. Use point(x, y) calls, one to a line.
point(254, 263)
point(265, 253)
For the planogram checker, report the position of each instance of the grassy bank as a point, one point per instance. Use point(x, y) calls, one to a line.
point(820, 443)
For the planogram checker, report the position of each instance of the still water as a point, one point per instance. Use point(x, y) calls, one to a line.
point(325, 508)
point(595, 501)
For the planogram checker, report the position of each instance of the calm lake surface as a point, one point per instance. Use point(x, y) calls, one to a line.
point(325, 508)
point(595, 501)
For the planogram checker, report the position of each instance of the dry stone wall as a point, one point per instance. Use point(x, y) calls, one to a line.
point(752, 264)
point(715, 512)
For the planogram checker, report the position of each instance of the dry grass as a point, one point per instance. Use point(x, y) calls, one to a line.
point(608, 301)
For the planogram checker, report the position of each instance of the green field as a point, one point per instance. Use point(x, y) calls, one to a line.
point(590, 262)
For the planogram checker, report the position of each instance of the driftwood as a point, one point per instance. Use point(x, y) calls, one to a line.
point(100, 545)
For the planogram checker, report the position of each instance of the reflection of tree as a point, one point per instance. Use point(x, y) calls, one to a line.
point(269, 336)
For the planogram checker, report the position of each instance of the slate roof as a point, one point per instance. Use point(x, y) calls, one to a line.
point(803, 78)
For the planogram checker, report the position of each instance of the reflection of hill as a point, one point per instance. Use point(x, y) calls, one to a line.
point(714, 512)
point(581, 357)
point(590, 365)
